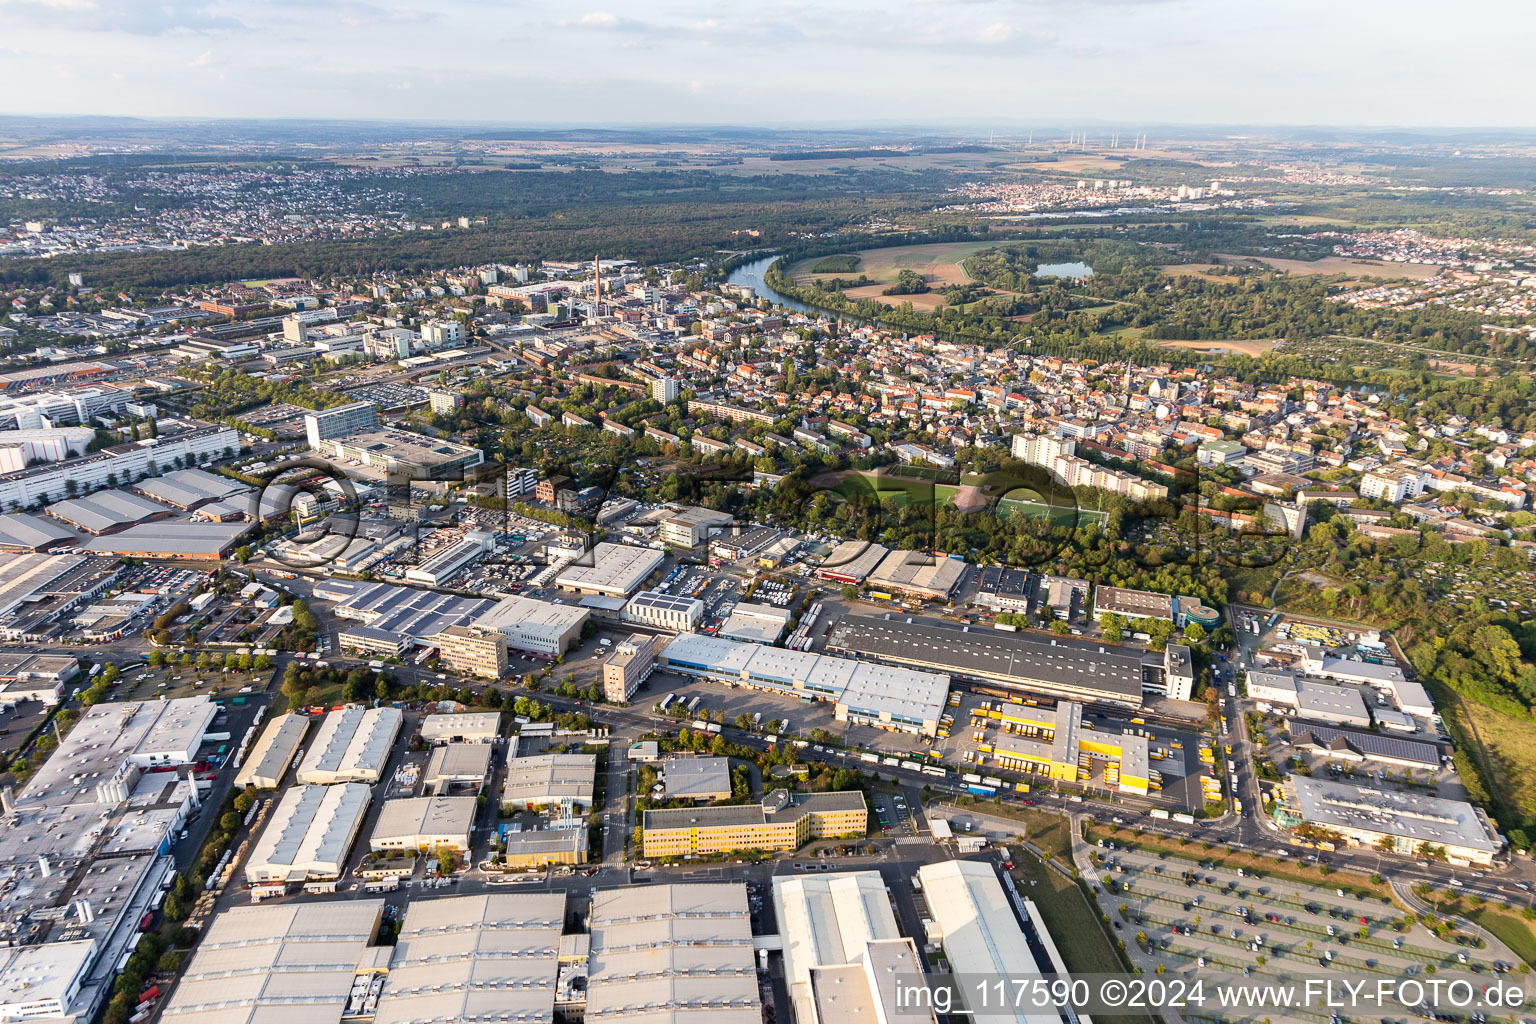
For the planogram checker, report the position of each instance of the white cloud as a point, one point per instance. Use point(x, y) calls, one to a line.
point(997, 32)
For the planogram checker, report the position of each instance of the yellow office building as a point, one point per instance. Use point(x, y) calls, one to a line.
point(783, 821)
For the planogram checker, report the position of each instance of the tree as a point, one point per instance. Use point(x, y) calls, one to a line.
point(445, 862)
point(1194, 632)
point(849, 592)
point(1113, 627)
point(1060, 627)
point(175, 909)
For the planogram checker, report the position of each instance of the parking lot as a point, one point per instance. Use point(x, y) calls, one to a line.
point(892, 816)
point(1195, 915)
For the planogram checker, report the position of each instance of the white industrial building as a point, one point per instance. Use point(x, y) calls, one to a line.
point(975, 923)
point(308, 834)
point(41, 981)
point(617, 570)
point(475, 958)
point(351, 745)
point(424, 824)
point(880, 695)
point(294, 963)
point(541, 627)
point(550, 780)
point(273, 752)
point(842, 948)
point(672, 954)
point(665, 611)
point(84, 845)
point(462, 726)
point(1408, 820)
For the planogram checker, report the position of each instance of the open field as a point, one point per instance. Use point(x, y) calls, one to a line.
point(1350, 267)
point(938, 262)
point(1510, 746)
point(1062, 515)
point(967, 496)
point(926, 301)
point(1247, 348)
point(1355, 270)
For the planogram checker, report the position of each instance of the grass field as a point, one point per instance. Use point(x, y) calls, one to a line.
point(1072, 921)
point(1064, 516)
point(1510, 745)
point(1355, 270)
point(938, 262)
point(1249, 348)
point(904, 492)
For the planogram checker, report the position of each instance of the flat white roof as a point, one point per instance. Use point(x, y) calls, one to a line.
point(351, 744)
point(309, 832)
point(273, 750)
point(146, 732)
point(978, 927)
point(424, 816)
point(550, 778)
point(485, 957)
point(1324, 700)
point(827, 920)
point(527, 613)
point(667, 954)
point(40, 973)
point(1413, 816)
point(696, 776)
point(874, 689)
point(464, 723)
point(291, 963)
point(614, 569)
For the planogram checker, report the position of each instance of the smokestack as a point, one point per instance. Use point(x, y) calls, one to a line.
point(84, 912)
point(7, 800)
point(43, 866)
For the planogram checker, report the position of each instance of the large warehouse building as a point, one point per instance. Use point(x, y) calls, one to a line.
point(196, 542)
point(975, 923)
point(273, 752)
point(1053, 742)
point(1074, 670)
point(852, 561)
point(461, 726)
point(843, 951)
point(1408, 821)
point(352, 745)
point(889, 698)
point(424, 824)
point(295, 962)
point(550, 780)
point(672, 954)
point(617, 570)
point(308, 834)
point(541, 627)
point(475, 958)
point(918, 574)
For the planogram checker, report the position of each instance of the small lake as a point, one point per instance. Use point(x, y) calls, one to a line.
point(1073, 270)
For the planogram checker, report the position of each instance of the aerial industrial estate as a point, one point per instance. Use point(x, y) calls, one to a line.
point(470, 572)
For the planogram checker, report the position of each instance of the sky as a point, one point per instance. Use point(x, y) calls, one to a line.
point(1016, 62)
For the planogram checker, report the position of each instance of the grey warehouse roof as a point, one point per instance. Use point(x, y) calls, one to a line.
point(987, 653)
